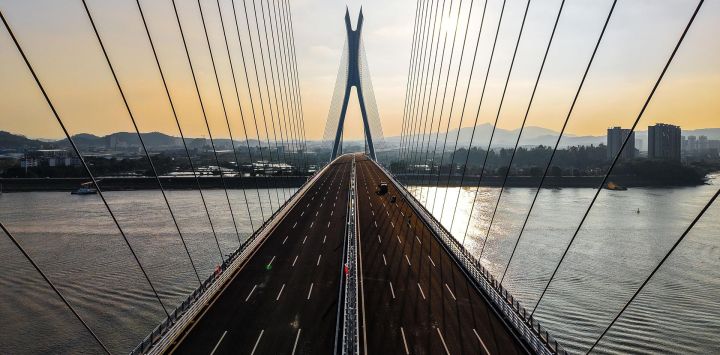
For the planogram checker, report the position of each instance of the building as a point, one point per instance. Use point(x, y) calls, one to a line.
point(615, 138)
point(701, 146)
point(664, 142)
point(50, 158)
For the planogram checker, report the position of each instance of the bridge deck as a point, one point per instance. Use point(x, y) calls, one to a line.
point(416, 298)
point(285, 297)
point(284, 300)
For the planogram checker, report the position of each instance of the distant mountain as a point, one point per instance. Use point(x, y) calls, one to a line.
point(15, 141)
point(504, 138)
point(119, 140)
point(533, 136)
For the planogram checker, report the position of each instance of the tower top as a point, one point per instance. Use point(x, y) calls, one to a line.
point(348, 24)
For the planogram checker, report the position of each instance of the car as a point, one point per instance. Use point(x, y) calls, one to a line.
point(382, 188)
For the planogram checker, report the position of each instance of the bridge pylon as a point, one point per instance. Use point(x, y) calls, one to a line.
point(353, 73)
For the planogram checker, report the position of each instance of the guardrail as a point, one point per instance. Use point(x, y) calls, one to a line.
point(161, 337)
point(529, 329)
point(350, 343)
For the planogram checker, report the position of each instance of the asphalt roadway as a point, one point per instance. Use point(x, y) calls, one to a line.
point(416, 299)
point(284, 300)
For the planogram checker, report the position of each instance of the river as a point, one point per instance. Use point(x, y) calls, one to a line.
point(74, 240)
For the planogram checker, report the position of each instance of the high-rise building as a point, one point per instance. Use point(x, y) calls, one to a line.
point(703, 143)
point(615, 138)
point(664, 142)
point(692, 144)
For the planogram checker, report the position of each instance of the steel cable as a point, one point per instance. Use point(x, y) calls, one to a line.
point(142, 142)
point(522, 127)
point(617, 156)
point(82, 160)
point(52, 286)
point(177, 122)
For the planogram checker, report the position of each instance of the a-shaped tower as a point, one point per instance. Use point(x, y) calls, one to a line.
point(353, 72)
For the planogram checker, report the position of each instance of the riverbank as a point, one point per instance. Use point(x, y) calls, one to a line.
point(149, 183)
point(533, 181)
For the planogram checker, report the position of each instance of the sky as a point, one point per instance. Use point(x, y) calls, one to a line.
point(58, 40)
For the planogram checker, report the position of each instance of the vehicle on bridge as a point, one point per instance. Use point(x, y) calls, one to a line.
point(382, 188)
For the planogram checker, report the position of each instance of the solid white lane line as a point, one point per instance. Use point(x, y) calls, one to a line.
point(481, 342)
point(384, 261)
point(421, 291)
point(297, 337)
point(402, 332)
point(280, 293)
point(443, 341)
point(451, 293)
point(220, 341)
point(318, 261)
point(250, 294)
point(431, 261)
point(257, 342)
point(310, 292)
point(285, 240)
point(392, 290)
point(418, 239)
point(408, 260)
point(324, 237)
point(304, 239)
point(296, 256)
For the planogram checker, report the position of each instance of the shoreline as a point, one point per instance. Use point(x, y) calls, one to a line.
point(534, 181)
point(150, 183)
point(10, 185)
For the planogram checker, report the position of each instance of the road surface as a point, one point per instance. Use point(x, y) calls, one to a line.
point(416, 299)
point(285, 299)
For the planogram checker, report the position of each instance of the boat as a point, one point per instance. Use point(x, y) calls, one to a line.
point(612, 186)
point(85, 189)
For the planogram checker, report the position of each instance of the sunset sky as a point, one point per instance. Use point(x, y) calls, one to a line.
point(58, 40)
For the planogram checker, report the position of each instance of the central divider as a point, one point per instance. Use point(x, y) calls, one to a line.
point(350, 343)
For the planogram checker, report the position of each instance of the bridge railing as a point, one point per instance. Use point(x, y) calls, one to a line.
point(534, 334)
point(188, 308)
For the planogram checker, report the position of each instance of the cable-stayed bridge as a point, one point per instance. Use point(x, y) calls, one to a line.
point(365, 256)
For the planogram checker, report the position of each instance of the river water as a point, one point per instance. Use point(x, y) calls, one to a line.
point(74, 240)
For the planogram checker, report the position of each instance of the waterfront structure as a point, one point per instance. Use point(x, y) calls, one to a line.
point(615, 138)
point(664, 141)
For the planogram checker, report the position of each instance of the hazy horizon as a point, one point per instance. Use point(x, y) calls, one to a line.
point(58, 40)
